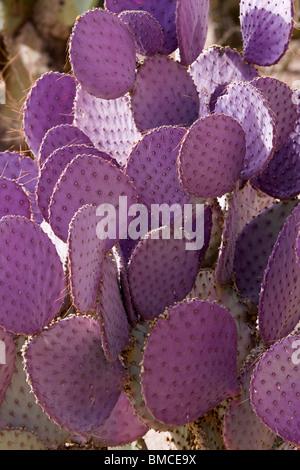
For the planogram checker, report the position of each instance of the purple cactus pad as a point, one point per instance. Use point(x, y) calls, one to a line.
point(14, 200)
point(19, 168)
point(102, 54)
point(7, 361)
point(146, 30)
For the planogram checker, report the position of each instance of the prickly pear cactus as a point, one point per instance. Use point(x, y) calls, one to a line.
point(149, 235)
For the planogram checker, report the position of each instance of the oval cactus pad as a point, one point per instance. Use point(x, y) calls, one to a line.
point(160, 272)
point(32, 285)
point(267, 27)
point(192, 27)
point(86, 255)
point(201, 370)
point(278, 308)
point(211, 156)
point(248, 106)
point(96, 181)
point(14, 200)
point(164, 94)
point(48, 104)
point(19, 168)
point(275, 389)
point(76, 386)
point(102, 54)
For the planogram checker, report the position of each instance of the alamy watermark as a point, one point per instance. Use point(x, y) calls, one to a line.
point(2, 352)
point(296, 354)
point(135, 221)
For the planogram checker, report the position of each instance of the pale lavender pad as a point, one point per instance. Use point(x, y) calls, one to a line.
point(267, 27)
point(75, 385)
point(275, 389)
point(102, 54)
point(192, 26)
point(86, 256)
point(201, 371)
point(164, 94)
point(146, 31)
point(163, 11)
point(48, 104)
point(60, 136)
point(20, 168)
point(247, 105)
point(14, 200)
point(278, 308)
point(32, 285)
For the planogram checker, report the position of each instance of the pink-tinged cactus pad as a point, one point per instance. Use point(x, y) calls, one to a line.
point(161, 272)
point(122, 427)
point(164, 95)
point(242, 429)
point(32, 285)
point(201, 371)
point(86, 255)
point(281, 100)
point(110, 311)
point(19, 168)
point(192, 27)
point(254, 245)
point(96, 181)
point(278, 308)
point(281, 178)
point(74, 385)
point(216, 67)
point(108, 123)
point(163, 11)
point(54, 166)
point(211, 156)
point(14, 200)
point(247, 105)
point(48, 104)
point(146, 30)
point(102, 54)
point(275, 389)
point(60, 136)
point(267, 27)
point(8, 356)
point(152, 167)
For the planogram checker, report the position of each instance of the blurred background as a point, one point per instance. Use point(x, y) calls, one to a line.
point(34, 38)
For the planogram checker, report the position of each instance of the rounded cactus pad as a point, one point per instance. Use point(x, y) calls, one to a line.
point(48, 104)
point(14, 200)
point(160, 272)
point(19, 168)
point(192, 27)
point(281, 178)
point(108, 123)
point(163, 11)
point(201, 371)
point(8, 356)
point(74, 385)
point(278, 308)
point(216, 67)
point(20, 439)
point(281, 100)
point(123, 425)
point(242, 429)
point(60, 136)
point(164, 94)
point(53, 168)
point(247, 105)
point(96, 181)
point(32, 284)
point(110, 311)
point(152, 167)
point(254, 245)
point(146, 30)
point(211, 156)
point(85, 257)
point(275, 389)
point(267, 27)
point(102, 54)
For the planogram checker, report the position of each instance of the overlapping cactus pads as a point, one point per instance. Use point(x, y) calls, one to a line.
point(150, 239)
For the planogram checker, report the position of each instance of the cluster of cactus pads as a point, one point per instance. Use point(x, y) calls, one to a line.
point(143, 343)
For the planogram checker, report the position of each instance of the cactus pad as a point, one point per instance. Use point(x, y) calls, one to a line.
point(23, 170)
point(14, 200)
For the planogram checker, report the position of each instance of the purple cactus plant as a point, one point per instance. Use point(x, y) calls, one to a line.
point(168, 176)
